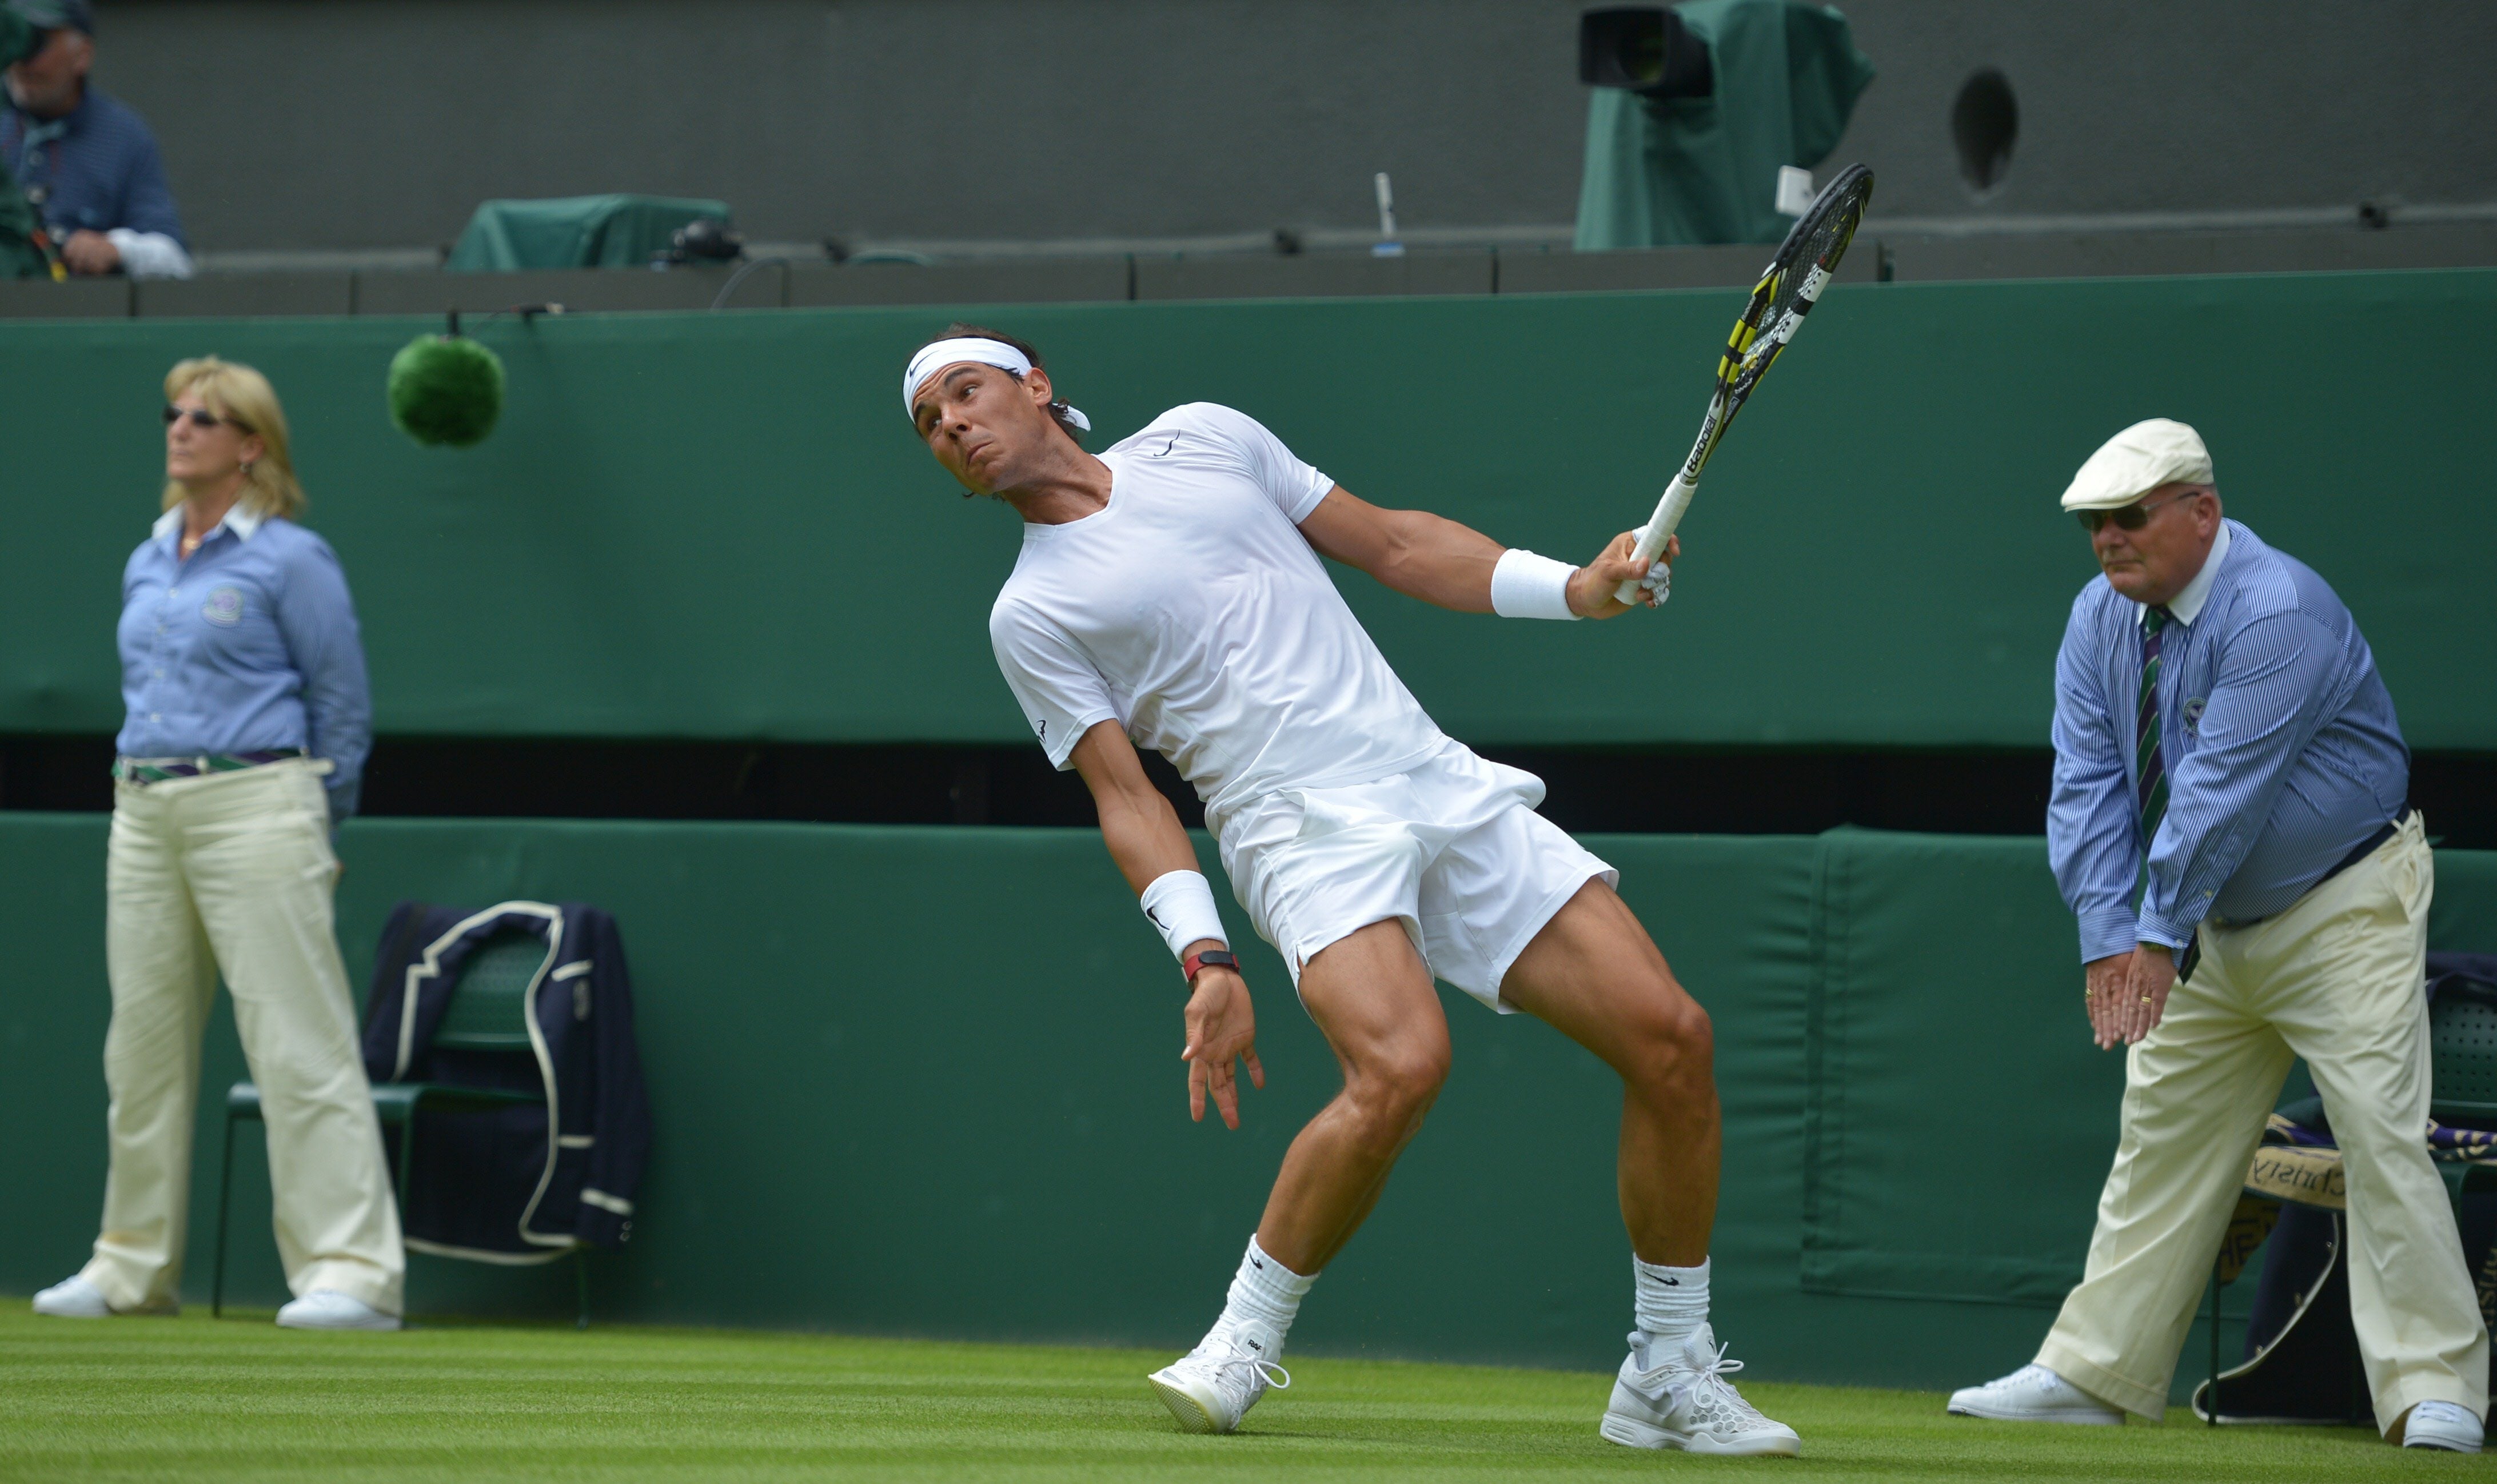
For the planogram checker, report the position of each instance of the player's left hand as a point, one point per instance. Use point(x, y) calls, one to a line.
point(2145, 991)
point(1222, 1027)
point(1591, 588)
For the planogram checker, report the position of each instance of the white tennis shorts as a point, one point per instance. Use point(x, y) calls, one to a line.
point(1453, 850)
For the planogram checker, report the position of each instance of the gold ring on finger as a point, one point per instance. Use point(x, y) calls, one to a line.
point(2145, 999)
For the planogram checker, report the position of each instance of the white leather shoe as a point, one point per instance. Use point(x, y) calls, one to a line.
point(1676, 1395)
point(2033, 1394)
point(2442, 1425)
point(1213, 1386)
point(327, 1308)
point(72, 1298)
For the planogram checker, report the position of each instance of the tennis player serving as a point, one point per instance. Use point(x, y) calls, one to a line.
point(1169, 595)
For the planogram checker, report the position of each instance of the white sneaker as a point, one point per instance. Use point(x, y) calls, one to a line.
point(2443, 1425)
point(72, 1298)
point(2033, 1394)
point(327, 1308)
point(1679, 1398)
point(1211, 1388)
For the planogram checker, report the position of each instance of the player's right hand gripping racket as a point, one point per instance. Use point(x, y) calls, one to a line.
point(1786, 294)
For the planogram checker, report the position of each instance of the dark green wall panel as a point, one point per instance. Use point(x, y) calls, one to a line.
point(926, 1081)
point(719, 527)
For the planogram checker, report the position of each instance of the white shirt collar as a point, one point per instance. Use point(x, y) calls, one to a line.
point(2187, 606)
point(244, 523)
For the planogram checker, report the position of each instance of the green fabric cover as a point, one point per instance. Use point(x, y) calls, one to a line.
point(864, 1094)
point(617, 231)
point(1691, 171)
point(721, 527)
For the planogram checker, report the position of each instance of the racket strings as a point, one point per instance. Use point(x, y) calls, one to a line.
point(1786, 293)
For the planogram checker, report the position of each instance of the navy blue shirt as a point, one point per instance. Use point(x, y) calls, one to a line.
point(96, 168)
point(250, 645)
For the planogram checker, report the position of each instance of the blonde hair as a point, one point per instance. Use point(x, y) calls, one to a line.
point(236, 392)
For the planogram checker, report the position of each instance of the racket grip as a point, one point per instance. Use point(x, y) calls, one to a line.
point(1657, 530)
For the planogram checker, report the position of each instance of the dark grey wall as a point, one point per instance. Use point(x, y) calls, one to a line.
point(348, 124)
point(2190, 106)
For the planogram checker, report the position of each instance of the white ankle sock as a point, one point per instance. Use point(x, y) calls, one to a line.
point(1671, 1302)
point(1265, 1292)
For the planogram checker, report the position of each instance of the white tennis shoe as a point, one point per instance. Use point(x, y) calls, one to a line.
point(2443, 1425)
point(1212, 1387)
point(72, 1298)
point(1679, 1398)
point(327, 1308)
point(2033, 1394)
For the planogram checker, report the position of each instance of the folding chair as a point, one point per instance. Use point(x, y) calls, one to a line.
point(488, 1013)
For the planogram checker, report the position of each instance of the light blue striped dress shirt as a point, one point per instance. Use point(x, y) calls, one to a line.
point(248, 646)
point(2282, 749)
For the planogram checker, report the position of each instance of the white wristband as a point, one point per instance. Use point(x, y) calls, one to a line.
point(1181, 904)
point(1525, 586)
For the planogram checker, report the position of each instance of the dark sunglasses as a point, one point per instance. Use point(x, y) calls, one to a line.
point(2129, 517)
point(200, 416)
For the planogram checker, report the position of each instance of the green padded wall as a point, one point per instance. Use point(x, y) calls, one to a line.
point(895, 1072)
point(694, 526)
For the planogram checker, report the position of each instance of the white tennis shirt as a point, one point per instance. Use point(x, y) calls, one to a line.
point(1192, 610)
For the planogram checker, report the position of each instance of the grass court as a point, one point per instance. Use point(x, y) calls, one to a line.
point(196, 1399)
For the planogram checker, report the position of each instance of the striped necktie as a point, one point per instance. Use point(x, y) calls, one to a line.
point(2150, 794)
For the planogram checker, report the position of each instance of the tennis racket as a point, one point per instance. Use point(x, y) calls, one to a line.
point(1784, 295)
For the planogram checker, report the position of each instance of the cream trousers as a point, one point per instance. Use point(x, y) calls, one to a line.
point(2336, 979)
point(233, 872)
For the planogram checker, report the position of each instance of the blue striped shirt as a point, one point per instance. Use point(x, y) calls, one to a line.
point(2282, 749)
point(248, 646)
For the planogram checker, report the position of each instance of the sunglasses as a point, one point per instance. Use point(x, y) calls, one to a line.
point(200, 416)
point(2129, 517)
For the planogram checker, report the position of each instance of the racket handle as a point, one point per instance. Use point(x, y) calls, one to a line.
point(1658, 529)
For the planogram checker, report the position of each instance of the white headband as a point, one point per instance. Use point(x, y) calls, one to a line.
point(938, 355)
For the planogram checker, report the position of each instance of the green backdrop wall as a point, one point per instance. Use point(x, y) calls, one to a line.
point(898, 1072)
point(717, 525)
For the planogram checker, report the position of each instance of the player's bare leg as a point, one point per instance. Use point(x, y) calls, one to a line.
point(1595, 975)
point(1372, 996)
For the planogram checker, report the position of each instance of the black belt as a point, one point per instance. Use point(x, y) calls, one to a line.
point(2367, 848)
point(144, 771)
point(2364, 848)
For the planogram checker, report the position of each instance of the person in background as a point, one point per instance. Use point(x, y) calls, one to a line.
point(84, 158)
point(248, 725)
point(2229, 825)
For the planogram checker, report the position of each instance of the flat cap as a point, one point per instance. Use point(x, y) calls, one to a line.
point(2158, 451)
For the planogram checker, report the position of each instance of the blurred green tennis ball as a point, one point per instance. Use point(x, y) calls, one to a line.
point(446, 390)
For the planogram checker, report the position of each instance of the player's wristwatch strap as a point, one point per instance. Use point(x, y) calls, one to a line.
point(1212, 958)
